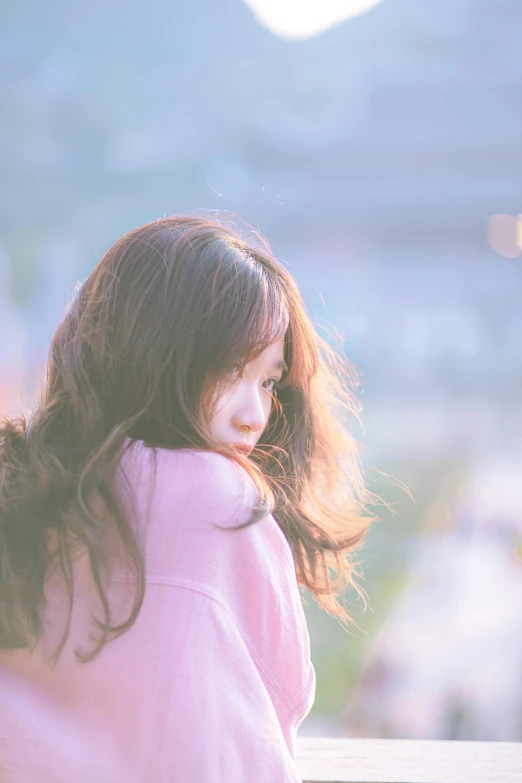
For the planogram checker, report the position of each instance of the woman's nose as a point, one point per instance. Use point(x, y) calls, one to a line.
point(250, 416)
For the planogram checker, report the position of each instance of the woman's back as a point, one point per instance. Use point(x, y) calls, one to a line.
point(213, 678)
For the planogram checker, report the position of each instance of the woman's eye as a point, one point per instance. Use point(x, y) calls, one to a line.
point(273, 385)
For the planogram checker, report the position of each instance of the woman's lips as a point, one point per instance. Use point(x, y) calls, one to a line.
point(242, 447)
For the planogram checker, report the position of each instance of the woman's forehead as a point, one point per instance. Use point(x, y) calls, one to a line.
point(272, 355)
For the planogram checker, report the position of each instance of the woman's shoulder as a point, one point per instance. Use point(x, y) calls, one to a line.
point(190, 499)
point(199, 484)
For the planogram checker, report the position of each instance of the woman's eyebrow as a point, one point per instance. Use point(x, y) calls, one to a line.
point(280, 365)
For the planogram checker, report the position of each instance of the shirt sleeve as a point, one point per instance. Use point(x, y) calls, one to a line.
point(222, 722)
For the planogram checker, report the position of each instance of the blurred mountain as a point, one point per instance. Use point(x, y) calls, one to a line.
point(409, 113)
point(371, 156)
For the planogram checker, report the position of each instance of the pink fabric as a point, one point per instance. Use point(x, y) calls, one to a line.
point(211, 682)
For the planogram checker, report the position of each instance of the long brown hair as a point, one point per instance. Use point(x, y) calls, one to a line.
point(168, 311)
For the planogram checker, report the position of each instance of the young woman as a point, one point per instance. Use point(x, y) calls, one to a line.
point(189, 464)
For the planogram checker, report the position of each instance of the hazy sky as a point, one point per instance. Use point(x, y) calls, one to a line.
point(306, 18)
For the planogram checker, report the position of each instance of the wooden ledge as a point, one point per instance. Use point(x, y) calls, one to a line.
point(323, 760)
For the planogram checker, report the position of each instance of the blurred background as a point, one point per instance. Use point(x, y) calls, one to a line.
point(378, 147)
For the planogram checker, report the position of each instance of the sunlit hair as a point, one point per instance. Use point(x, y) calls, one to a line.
point(167, 313)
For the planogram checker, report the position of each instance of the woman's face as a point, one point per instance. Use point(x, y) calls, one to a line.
point(245, 400)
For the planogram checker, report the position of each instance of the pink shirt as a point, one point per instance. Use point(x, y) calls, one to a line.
point(211, 682)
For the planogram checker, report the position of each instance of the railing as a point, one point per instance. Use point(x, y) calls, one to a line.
point(407, 761)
